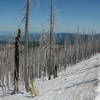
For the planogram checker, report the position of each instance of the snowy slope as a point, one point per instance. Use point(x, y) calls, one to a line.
point(78, 82)
point(98, 85)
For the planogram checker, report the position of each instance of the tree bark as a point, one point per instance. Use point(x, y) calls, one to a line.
point(16, 72)
point(26, 47)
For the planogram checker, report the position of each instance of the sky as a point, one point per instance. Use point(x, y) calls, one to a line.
point(69, 13)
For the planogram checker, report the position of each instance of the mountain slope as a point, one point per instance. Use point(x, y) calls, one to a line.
point(77, 82)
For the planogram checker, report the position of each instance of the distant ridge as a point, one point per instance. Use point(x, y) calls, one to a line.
point(59, 37)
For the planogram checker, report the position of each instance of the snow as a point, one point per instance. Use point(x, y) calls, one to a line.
point(98, 86)
point(78, 82)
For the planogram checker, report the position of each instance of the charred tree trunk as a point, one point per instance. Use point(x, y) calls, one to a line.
point(55, 71)
point(16, 72)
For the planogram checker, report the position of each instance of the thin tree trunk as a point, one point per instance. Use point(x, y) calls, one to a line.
point(26, 47)
point(50, 53)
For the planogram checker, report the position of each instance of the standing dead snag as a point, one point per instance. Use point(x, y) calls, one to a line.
point(16, 72)
point(26, 47)
point(51, 63)
point(51, 42)
point(55, 70)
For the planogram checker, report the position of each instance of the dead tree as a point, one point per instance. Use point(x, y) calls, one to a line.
point(16, 72)
point(51, 31)
point(51, 52)
point(55, 70)
point(26, 47)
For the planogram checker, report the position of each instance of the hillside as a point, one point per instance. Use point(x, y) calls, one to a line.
point(78, 82)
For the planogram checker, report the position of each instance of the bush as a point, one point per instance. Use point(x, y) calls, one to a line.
point(88, 57)
point(32, 88)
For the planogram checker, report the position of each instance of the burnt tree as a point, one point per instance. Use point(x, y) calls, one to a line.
point(55, 71)
point(16, 72)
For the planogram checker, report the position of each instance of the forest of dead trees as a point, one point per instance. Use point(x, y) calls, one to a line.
point(45, 59)
point(63, 55)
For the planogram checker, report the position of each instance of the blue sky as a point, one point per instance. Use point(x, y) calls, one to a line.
point(85, 13)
